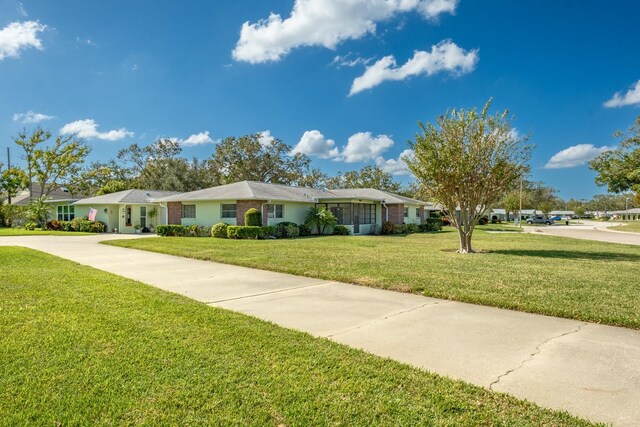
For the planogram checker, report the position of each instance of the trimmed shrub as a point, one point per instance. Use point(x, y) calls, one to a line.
point(30, 226)
point(398, 229)
point(66, 226)
point(341, 230)
point(268, 231)
point(53, 225)
point(483, 220)
point(219, 230)
point(411, 228)
point(281, 229)
point(434, 224)
point(244, 232)
point(253, 218)
point(292, 230)
point(304, 230)
point(171, 230)
point(387, 228)
point(198, 231)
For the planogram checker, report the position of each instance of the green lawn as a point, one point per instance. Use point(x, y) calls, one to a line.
point(83, 347)
point(631, 227)
point(564, 277)
point(5, 231)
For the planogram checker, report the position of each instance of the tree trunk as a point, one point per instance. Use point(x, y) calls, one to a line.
point(465, 242)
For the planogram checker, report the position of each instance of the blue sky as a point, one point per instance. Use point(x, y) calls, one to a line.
point(345, 84)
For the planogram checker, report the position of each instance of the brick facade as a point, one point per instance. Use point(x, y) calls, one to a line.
point(396, 213)
point(244, 205)
point(174, 214)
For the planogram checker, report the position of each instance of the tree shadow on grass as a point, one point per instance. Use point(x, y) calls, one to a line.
point(598, 256)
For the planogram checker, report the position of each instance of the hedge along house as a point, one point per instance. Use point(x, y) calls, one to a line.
point(122, 211)
point(359, 209)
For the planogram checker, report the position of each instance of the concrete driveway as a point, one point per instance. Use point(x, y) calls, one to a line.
point(588, 230)
point(590, 370)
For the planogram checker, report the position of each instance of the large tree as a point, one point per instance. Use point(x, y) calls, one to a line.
point(51, 164)
point(619, 169)
point(467, 160)
point(11, 181)
point(159, 167)
point(253, 158)
point(367, 177)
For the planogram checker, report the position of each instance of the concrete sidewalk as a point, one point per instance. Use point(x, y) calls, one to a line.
point(590, 370)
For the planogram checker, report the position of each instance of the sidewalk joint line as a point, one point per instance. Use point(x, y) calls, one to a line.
point(268, 293)
point(398, 313)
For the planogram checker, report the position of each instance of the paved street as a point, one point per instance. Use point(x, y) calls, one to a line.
point(588, 230)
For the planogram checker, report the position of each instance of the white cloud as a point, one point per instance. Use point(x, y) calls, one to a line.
point(265, 139)
point(313, 143)
point(445, 56)
point(21, 10)
point(31, 117)
point(89, 129)
point(576, 155)
point(350, 60)
point(195, 139)
point(18, 36)
point(88, 41)
point(363, 146)
point(325, 23)
point(630, 98)
point(396, 166)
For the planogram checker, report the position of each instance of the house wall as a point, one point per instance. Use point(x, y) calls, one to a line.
point(174, 213)
point(293, 212)
point(207, 213)
point(242, 206)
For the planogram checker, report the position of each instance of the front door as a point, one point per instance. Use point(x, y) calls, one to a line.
point(143, 216)
point(356, 224)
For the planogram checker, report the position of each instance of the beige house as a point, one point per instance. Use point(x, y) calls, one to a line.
point(359, 209)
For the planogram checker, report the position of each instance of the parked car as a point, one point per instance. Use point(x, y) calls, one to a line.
point(556, 218)
point(539, 220)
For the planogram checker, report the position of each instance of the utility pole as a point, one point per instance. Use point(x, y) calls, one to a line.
point(9, 167)
point(520, 210)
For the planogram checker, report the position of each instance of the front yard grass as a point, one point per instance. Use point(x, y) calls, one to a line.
point(83, 347)
point(8, 231)
point(578, 279)
point(631, 227)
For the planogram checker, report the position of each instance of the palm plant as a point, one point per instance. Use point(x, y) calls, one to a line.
point(320, 218)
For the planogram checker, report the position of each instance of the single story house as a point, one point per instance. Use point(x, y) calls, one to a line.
point(499, 214)
point(528, 213)
point(627, 215)
point(359, 209)
point(123, 211)
point(59, 194)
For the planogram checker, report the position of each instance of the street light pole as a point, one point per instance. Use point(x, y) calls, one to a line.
point(520, 210)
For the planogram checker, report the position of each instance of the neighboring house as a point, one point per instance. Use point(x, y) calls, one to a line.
point(121, 211)
point(563, 214)
point(528, 213)
point(627, 215)
point(500, 214)
point(358, 208)
point(60, 194)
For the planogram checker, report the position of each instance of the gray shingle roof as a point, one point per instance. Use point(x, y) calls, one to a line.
point(252, 190)
point(126, 196)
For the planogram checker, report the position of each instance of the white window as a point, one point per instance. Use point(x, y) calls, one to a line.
point(275, 211)
point(417, 212)
point(228, 211)
point(188, 211)
point(406, 212)
point(66, 213)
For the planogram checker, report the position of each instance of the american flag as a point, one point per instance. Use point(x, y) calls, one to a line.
point(92, 214)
